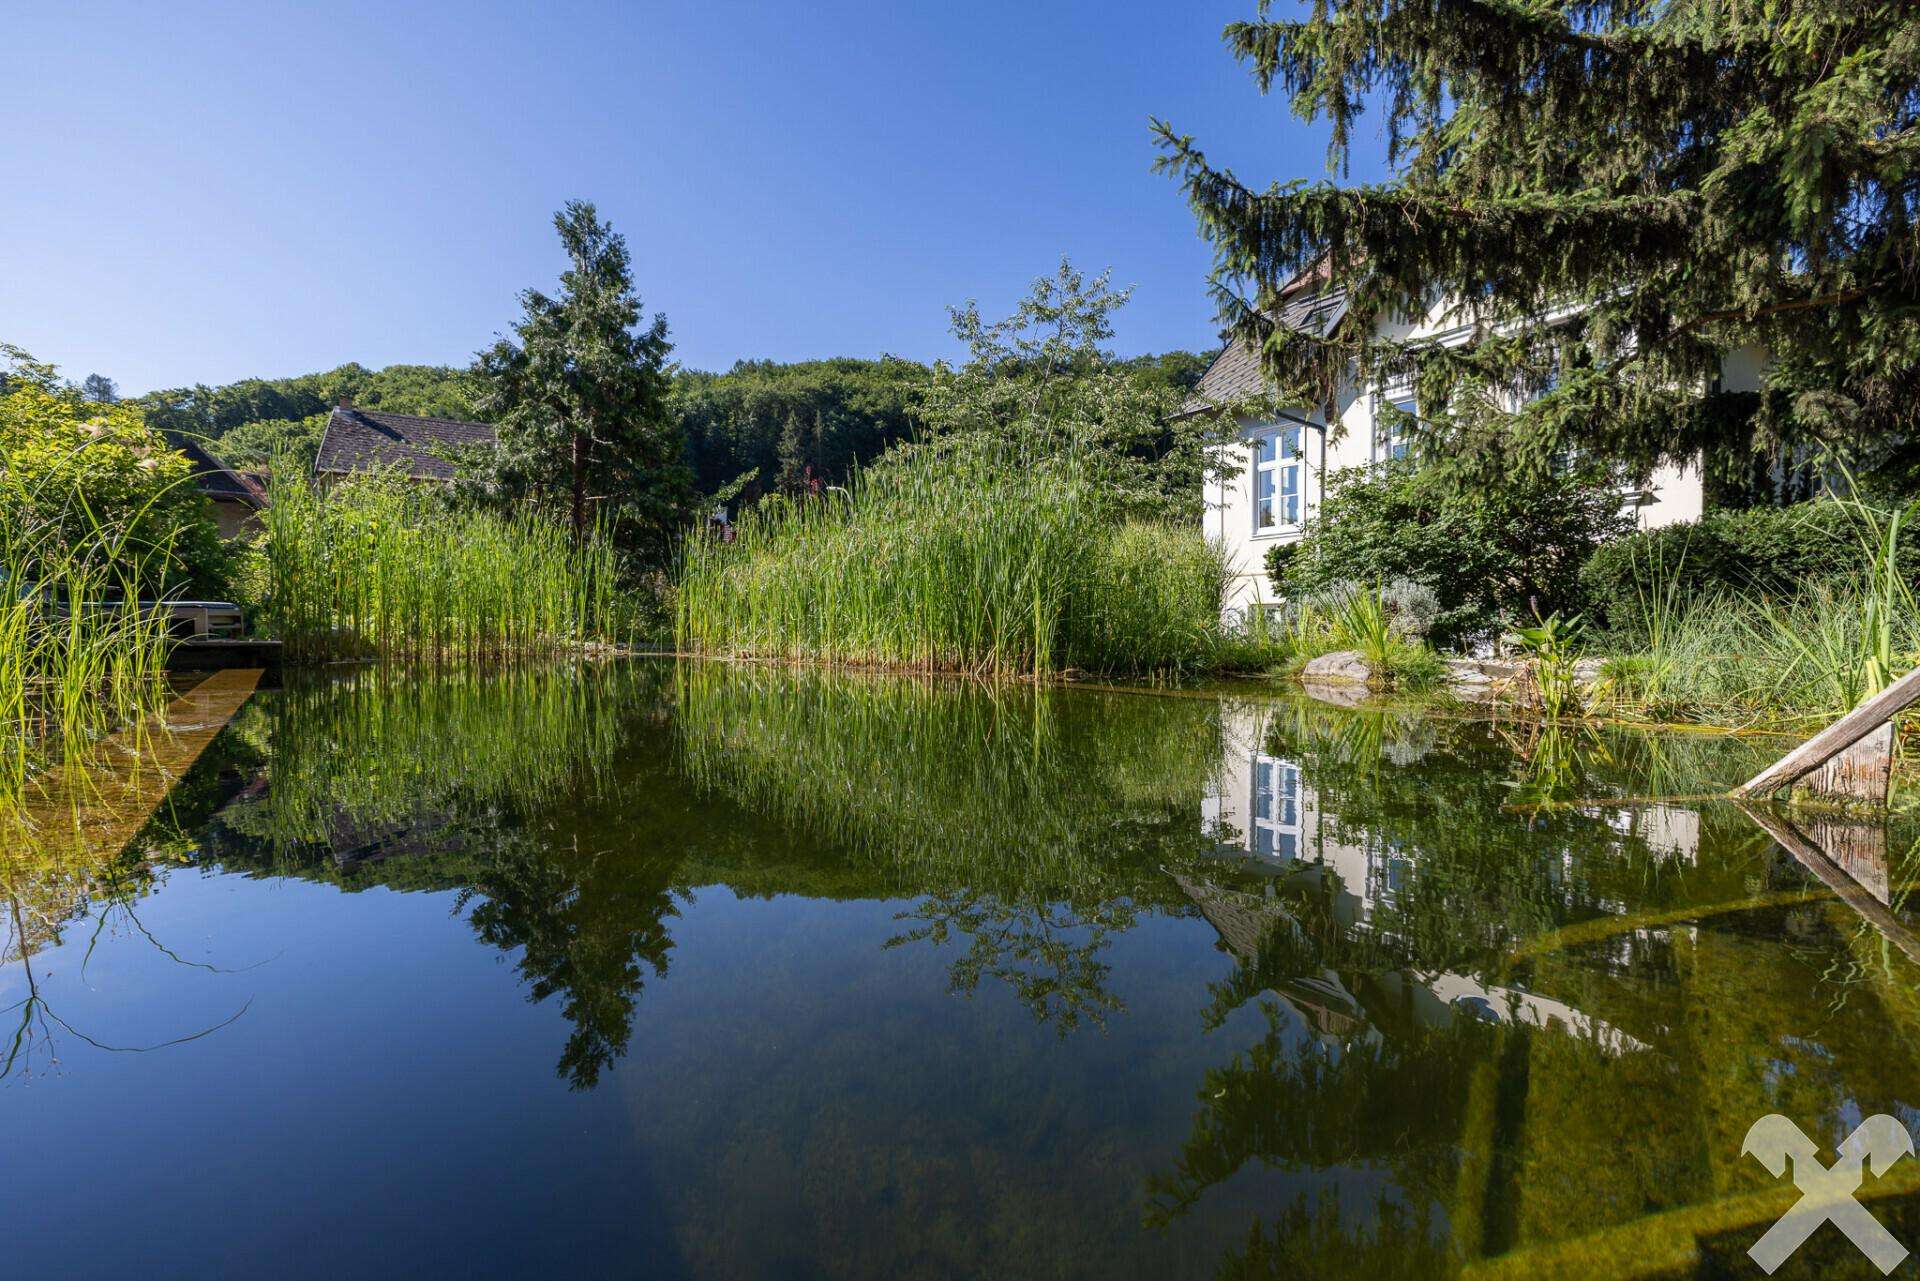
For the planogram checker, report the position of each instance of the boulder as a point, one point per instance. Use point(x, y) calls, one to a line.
point(1342, 667)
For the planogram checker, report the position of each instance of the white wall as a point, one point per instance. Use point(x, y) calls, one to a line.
point(1673, 494)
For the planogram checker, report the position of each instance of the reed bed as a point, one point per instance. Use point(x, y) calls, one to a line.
point(78, 654)
point(949, 558)
point(375, 567)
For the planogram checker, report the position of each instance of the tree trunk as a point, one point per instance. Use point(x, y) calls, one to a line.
point(579, 489)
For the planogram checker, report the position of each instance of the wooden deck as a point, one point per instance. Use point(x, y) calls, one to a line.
point(92, 810)
point(213, 653)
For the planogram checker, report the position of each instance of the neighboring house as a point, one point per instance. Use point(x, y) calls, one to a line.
point(237, 496)
point(364, 440)
point(1275, 473)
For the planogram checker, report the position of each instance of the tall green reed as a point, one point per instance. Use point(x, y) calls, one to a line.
point(377, 567)
point(1752, 658)
point(79, 651)
point(961, 559)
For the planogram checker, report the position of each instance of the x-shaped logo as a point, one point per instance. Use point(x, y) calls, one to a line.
point(1826, 1193)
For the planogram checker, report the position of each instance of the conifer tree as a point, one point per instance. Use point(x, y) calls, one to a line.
point(581, 398)
point(1690, 176)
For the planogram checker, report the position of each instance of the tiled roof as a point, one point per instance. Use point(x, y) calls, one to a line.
point(217, 480)
point(1235, 373)
point(364, 439)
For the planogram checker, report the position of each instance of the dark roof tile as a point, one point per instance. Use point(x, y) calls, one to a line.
point(358, 440)
point(217, 480)
point(1235, 373)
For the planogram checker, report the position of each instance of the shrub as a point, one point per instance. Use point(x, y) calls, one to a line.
point(1489, 556)
point(94, 481)
point(1411, 607)
point(1778, 552)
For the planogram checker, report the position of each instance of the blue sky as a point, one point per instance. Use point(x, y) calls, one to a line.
point(200, 193)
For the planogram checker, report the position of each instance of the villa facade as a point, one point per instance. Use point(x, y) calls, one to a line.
point(1274, 474)
point(1264, 815)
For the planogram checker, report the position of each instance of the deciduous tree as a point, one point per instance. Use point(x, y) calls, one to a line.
point(1043, 381)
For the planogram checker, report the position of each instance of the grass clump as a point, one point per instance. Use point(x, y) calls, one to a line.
point(962, 557)
point(95, 515)
point(1750, 657)
point(1362, 619)
point(375, 567)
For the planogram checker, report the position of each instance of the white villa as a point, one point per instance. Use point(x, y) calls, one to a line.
point(1273, 480)
point(1262, 810)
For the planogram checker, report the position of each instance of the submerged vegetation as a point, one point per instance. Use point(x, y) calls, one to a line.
point(378, 568)
point(953, 556)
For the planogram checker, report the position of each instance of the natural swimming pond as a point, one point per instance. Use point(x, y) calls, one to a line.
point(711, 971)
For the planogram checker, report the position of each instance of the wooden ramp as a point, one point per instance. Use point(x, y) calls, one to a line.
point(92, 809)
point(1851, 759)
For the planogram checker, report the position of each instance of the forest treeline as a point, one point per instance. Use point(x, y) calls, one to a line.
point(789, 425)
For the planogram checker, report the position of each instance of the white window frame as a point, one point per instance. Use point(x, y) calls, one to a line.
point(1286, 467)
point(1280, 818)
point(1385, 439)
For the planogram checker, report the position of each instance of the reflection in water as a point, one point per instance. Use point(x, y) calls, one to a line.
point(1034, 823)
point(1419, 1013)
point(923, 976)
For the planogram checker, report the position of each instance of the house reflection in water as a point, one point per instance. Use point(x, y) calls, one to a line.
point(1265, 817)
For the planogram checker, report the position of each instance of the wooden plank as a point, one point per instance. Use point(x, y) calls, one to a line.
point(1851, 892)
point(1863, 772)
point(1836, 738)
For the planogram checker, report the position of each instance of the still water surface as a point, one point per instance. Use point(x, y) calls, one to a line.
point(712, 972)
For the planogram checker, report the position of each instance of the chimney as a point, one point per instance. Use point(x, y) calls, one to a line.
point(345, 401)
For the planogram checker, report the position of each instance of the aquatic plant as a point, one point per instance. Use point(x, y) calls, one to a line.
point(1554, 646)
point(1759, 658)
point(376, 567)
point(78, 651)
point(1366, 619)
point(962, 557)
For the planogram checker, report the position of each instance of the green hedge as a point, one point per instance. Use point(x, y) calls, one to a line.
point(1761, 551)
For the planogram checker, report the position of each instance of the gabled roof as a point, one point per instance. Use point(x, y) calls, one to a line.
point(217, 480)
point(358, 440)
point(1235, 374)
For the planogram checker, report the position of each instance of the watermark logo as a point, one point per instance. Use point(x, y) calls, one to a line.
point(1826, 1193)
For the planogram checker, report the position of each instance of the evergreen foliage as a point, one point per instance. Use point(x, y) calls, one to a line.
point(581, 399)
point(1692, 176)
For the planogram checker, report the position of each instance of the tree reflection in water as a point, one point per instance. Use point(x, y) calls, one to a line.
point(1465, 961)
